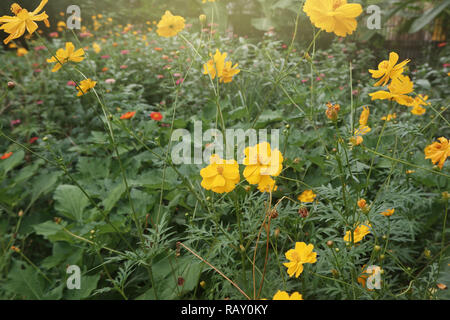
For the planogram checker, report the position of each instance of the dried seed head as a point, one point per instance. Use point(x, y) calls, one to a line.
point(274, 214)
point(303, 212)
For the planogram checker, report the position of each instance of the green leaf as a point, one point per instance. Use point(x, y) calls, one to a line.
point(87, 285)
point(70, 202)
point(428, 16)
point(9, 164)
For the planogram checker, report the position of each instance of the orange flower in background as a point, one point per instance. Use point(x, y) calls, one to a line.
point(22, 20)
point(438, 152)
point(156, 116)
point(388, 69)
point(388, 212)
point(336, 16)
point(332, 112)
point(6, 155)
point(128, 115)
point(362, 203)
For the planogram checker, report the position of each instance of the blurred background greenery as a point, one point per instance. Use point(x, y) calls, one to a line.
point(412, 27)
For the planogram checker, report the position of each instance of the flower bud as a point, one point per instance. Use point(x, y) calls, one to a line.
point(20, 214)
point(330, 243)
point(11, 84)
point(242, 248)
point(202, 18)
point(377, 248)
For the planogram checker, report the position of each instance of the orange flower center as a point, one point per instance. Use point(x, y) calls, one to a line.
point(219, 170)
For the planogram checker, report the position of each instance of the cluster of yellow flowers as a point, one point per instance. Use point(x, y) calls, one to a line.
point(218, 67)
point(262, 163)
point(400, 85)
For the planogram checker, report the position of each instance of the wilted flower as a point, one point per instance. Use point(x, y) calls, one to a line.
point(388, 212)
point(6, 155)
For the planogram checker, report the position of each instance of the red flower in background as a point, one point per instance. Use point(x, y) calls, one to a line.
point(156, 116)
point(33, 140)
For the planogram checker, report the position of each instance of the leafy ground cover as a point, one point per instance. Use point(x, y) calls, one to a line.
point(88, 177)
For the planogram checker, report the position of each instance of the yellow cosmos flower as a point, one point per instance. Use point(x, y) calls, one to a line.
point(22, 20)
point(364, 117)
point(388, 212)
point(389, 117)
point(261, 163)
point(217, 66)
point(65, 55)
point(283, 295)
point(336, 16)
point(21, 52)
point(438, 151)
point(388, 69)
point(360, 232)
point(417, 104)
point(307, 196)
point(96, 47)
point(204, 1)
point(221, 175)
point(398, 90)
point(84, 86)
point(302, 254)
point(170, 25)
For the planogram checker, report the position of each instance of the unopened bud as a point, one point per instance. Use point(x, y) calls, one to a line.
point(202, 18)
point(11, 84)
point(20, 214)
point(330, 243)
point(276, 233)
point(242, 248)
point(377, 248)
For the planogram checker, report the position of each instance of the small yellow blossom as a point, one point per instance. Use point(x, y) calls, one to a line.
point(65, 55)
point(302, 254)
point(85, 86)
point(389, 117)
point(360, 232)
point(220, 175)
point(307, 196)
point(283, 295)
